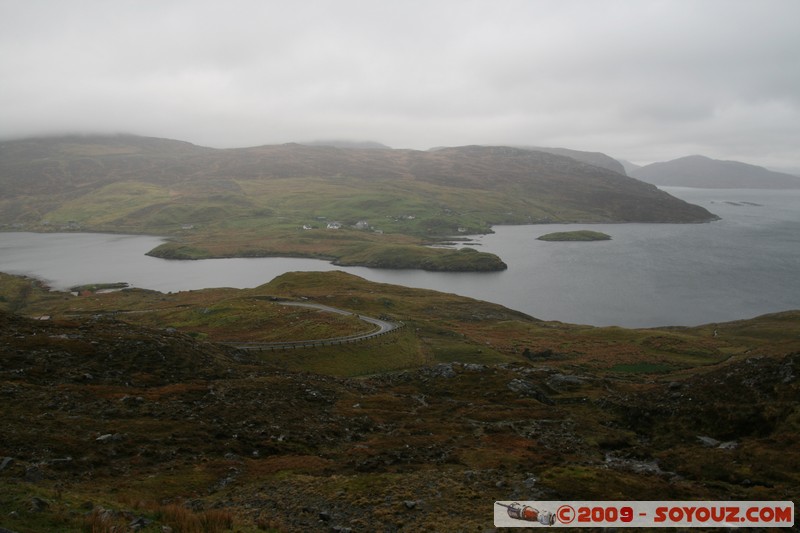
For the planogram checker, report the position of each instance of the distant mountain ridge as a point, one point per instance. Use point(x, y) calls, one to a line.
point(629, 167)
point(597, 159)
point(704, 172)
point(340, 143)
point(79, 164)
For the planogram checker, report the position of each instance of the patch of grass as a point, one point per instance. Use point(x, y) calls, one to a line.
point(179, 518)
point(20, 513)
point(642, 368)
point(109, 203)
point(600, 483)
point(445, 346)
point(397, 351)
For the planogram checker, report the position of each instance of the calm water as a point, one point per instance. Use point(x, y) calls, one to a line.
point(745, 265)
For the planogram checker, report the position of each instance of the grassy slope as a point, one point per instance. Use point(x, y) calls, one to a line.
point(442, 327)
point(255, 201)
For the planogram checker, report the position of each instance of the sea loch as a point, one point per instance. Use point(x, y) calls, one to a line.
point(743, 265)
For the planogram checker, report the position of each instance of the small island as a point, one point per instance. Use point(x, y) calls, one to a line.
point(579, 236)
point(393, 256)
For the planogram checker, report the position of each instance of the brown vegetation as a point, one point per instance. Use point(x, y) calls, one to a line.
point(109, 423)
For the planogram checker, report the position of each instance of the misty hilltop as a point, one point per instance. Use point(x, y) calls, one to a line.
point(578, 191)
point(341, 143)
point(286, 199)
point(704, 172)
point(597, 159)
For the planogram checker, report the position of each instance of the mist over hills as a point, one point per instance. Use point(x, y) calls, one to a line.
point(704, 172)
point(340, 143)
point(629, 167)
point(597, 159)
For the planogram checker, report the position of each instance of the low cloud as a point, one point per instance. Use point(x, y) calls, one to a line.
point(644, 80)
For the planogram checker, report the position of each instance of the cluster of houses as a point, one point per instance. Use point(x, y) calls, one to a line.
point(360, 225)
point(70, 225)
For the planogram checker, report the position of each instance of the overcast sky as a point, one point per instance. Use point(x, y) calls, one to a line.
point(640, 80)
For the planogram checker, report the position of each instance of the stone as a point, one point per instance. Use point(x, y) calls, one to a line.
point(525, 388)
point(557, 380)
point(196, 505)
point(139, 523)
point(520, 386)
point(108, 437)
point(33, 474)
point(38, 505)
point(708, 441)
point(444, 370)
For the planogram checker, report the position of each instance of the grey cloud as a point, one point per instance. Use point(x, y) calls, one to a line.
point(642, 79)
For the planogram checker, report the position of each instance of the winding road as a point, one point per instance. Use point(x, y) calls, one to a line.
point(382, 327)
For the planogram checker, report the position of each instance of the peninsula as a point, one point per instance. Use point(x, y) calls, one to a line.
point(374, 206)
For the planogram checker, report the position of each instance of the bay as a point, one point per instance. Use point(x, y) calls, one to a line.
point(743, 265)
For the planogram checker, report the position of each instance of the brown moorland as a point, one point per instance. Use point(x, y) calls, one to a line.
point(137, 421)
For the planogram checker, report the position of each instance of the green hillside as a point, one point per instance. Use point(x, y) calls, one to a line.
point(285, 200)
